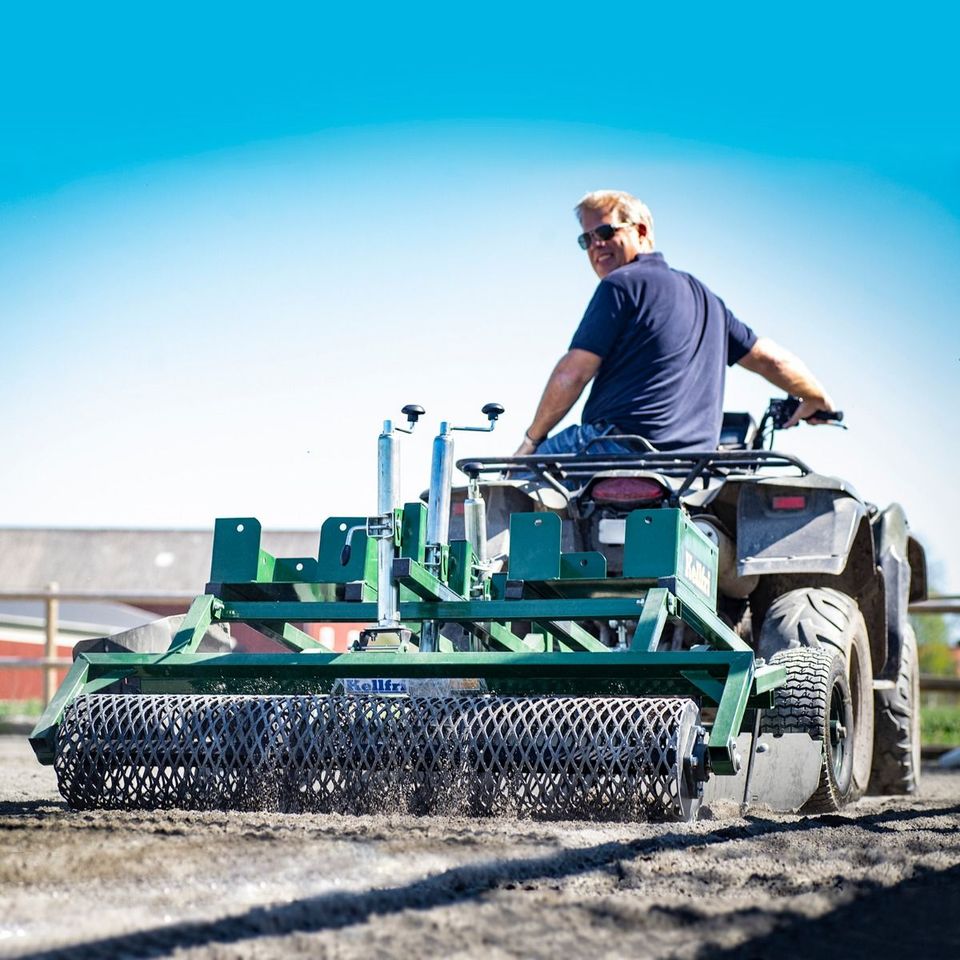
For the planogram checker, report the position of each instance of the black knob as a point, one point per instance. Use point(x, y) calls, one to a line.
point(492, 410)
point(413, 412)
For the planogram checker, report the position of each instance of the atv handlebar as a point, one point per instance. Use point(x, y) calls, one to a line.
point(780, 412)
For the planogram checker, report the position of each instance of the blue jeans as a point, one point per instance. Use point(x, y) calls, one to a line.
point(576, 440)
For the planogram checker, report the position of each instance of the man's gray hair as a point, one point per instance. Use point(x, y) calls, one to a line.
point(625, 205)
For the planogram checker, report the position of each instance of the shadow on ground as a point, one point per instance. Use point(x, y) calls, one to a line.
point(919, 917)
point(872, 918)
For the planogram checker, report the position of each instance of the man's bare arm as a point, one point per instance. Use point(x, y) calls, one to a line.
point(574, 371)
point(788, 372)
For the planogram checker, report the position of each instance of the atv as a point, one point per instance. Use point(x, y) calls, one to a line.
point(804, 564)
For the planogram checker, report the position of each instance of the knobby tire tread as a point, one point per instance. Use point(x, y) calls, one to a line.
point(802, 705)
point(896, 755)
point(824, 618)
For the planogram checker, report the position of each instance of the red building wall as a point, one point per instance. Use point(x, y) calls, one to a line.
point(17, 683)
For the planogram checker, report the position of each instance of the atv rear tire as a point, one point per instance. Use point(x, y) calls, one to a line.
point(821, 617)
point(896, 751)
point(816, 700)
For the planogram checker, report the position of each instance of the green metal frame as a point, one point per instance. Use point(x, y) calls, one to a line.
point(669, 574)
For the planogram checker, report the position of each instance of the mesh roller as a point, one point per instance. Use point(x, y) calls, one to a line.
point(551, 756)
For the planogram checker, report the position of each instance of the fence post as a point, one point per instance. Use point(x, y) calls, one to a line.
point(50, 647)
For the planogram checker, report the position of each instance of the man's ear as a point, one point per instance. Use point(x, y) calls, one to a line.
point(641, 230)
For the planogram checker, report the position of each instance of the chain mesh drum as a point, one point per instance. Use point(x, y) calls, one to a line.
point(542, 756)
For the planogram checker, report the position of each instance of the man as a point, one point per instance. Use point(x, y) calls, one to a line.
point(656, 343)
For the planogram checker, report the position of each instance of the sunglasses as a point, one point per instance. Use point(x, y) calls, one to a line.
point(603, 233)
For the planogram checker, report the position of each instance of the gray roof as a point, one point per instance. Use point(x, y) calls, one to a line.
point(87, 617)
point(123, 561)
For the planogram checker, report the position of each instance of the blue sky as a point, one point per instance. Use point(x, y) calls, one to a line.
point(233, 240)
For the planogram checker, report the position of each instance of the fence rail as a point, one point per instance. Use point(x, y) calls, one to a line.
point(936, 605)
point(934, 682)
point(34, 663)
point(52, 597)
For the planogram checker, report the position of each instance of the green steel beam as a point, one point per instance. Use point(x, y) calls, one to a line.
point(767, 678)
point(195, 623)
point(709, 686)
point(568, 634)
point(500, 636)
point(572, 635)
point(416, 578)
point(730, 710)
point(698, 614)
point(43, 738)
point(612, 664)
point(293, 638)
point(656, 607)
point(464, 611)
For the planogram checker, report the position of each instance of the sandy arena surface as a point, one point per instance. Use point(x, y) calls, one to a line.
point(882, 879)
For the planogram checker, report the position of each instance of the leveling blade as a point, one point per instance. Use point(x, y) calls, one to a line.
point(547, 757)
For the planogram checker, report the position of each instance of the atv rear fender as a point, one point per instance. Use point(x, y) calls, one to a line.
point(820, 535)
point(904, 567)
point(796, 525)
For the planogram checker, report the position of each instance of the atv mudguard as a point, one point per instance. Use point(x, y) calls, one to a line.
point(828, 542)
point(815, 538)
point(904, 567)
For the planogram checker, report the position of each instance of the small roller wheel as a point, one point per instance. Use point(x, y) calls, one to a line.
point(826, 619)
point(816, 700)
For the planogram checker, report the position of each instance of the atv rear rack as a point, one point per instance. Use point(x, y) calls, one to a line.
point(557, 467)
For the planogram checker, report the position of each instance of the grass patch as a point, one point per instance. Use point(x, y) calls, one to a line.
point(940, 726)
point(15, 709)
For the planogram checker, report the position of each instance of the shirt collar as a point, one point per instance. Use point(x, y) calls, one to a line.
point(655, 257)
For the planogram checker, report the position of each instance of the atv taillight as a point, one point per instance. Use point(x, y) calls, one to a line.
point(793, 502)
point(627, 490)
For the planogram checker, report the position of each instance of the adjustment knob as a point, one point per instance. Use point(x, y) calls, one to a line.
point(492, 410)
point(413, 412)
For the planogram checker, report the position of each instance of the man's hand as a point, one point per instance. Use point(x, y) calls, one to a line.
point(807, 410)
point(526, 448)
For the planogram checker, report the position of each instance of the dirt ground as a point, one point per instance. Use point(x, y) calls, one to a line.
point(882, 879)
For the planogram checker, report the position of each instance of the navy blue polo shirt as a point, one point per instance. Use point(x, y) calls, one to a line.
point(666, 342)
